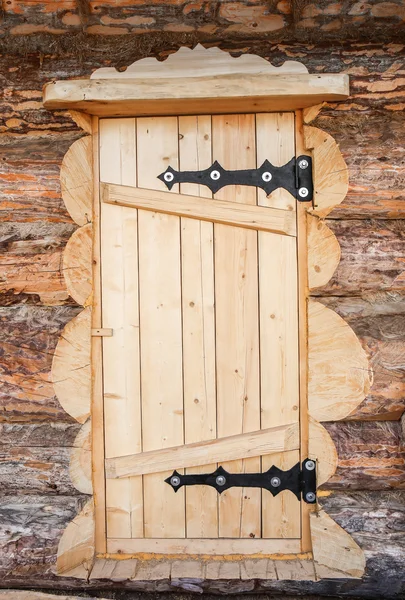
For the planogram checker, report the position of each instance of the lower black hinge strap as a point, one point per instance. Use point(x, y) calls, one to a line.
point(296, 480)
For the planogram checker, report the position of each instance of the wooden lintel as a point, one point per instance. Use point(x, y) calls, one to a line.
point(196, 95)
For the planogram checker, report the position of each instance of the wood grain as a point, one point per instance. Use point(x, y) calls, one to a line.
point(76, 177)
point(77, 264)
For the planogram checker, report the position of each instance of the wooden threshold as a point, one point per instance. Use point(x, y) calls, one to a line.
point(211, 547)
point(194, 207)
point(196, 95)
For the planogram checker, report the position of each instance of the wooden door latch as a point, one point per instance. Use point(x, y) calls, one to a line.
point(300, 481)
point(295, 177)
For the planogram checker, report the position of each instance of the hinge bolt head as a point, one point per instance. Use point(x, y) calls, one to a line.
point(310, 497)
point(175, 481)
point(168, 177)
point(266, 176)
point(303, 164)
point(220, 480)
point(310, 465)
point(275, 481)
point(215, 175)
point(303, 192)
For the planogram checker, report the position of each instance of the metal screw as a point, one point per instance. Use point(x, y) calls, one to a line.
point(175, 481)
point(303, 192)
point(220, 480)
point(310, 497)
point(168, 177)
point(267, 176)
point(310, 465)
point(215, 175)
point(275, 481)
point(303, 164)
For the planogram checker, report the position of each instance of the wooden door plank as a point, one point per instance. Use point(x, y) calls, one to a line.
point(275, 134)
point(225, 212)
point(279, 367)
point(197, 261)
point(161, 331)
point(245, 445)
point(275, 141)
point(205, 547)
point(119, 263)
point(237, 335)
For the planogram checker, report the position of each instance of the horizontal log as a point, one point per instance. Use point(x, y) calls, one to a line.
point(36, 457)
point(30, 527)
point(28, 337)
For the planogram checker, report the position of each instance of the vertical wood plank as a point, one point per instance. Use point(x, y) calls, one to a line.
point(97, 406)
point(303, 293)
point(237, 335)
point(161, 328)
point(197, 260)
point(120, 312)
point(275, 142)
point(275, 135)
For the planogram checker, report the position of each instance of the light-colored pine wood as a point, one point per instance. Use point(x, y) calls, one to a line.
point(278, 301)
point(322, 449)
point(309, 114)
point(76, 177)
point(103, 568)
point(339, 373)
point(120, 311)
point(82, 120)
point(258, 568)
point(198, 317)
point(71, 374)
point(208, 547)
point(211, 62)
point(237, 319)
point(97, 401)
point(80, 460)
point(124, 570)
point(195, 95)
point(295, 569)
point(77, 264)
point(190, 569)
point(336, 554)
point(227, 213)
point(160, 319)
point(246, 445)
point(330, 172)
point(102, 332)
point(303, 293)
point(323, 252)
point(275, 141)
point(153, 570)
point(76, 547)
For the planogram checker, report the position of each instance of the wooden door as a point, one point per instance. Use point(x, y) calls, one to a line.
point(202, 299)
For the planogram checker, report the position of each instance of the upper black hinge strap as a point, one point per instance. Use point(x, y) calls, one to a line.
point(295, 177)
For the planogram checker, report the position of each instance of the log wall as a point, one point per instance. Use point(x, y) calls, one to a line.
point(366, 496)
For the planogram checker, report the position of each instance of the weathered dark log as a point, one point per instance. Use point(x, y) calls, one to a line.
point(28, 336)
point(30, 527)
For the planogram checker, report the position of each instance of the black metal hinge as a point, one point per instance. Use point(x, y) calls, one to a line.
point(300, 481)
point(295, 177)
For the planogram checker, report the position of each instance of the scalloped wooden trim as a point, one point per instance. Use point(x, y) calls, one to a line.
point(208, 62)
point(80, 460)
point(76, 547)
point(336, 554)
point(76, 176)
point(322, 449)
point(71, 373)
point(323, 252)
point(339, 377)
point(77, 265)
point(309, 114)
point(82, 120)
point(330, 172)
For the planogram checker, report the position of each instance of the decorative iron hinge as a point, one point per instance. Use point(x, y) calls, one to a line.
point(295, 177)
point(300, 481)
